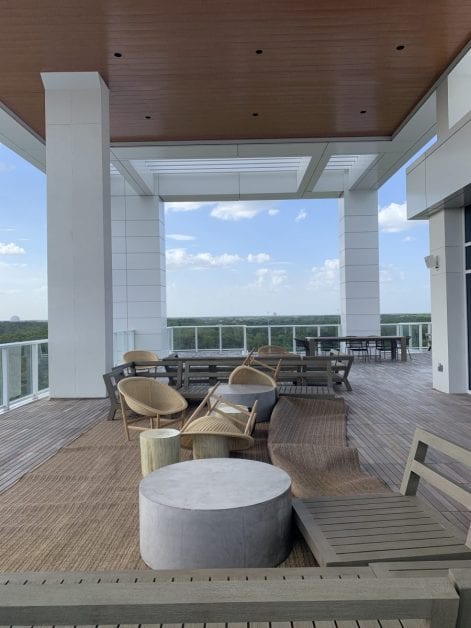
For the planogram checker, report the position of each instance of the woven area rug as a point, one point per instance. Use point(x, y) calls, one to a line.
point(308, 439)
point(79, 510)
point(300, 420)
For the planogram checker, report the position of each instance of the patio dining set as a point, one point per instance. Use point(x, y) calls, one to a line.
point(364, 347)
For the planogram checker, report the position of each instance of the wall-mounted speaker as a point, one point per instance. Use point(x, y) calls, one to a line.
point(431, 261)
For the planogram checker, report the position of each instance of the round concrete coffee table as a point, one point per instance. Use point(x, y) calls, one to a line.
point(219, 512)
point(247, 394)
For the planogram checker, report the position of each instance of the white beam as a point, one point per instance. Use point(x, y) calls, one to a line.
point(21, 139)
point(141, 183)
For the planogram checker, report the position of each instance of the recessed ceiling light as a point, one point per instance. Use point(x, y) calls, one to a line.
point(400, 47)
point(147, 117)
point(259, 51)
point(363, 111)
point(255, 114)
point(117, 54)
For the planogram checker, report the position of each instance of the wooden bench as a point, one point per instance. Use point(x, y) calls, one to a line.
point(361, 529)
point(418, 568)
point(233, 596)
point(193, 376)
point(199, 374)
point(318, 371)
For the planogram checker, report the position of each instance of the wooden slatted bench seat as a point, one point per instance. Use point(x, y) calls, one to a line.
point(361, 529)
point(193, 376)
point(236, 597)
point(418, 568)
point(310, 375)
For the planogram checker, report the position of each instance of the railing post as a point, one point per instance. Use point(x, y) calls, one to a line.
point(244, 330)
point(5, 395)
point(196, 339)
point(35, 368)
point(269, 334)
point(220, 339)
point(293, 341)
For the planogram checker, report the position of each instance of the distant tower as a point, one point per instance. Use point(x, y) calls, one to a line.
point(14, 319)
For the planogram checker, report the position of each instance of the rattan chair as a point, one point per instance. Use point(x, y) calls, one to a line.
point(213, 436)
point(138, 355)
point(149, 399)
point(248, 375)
point(240, 416)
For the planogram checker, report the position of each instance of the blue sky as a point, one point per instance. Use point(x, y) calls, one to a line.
point(251, 258)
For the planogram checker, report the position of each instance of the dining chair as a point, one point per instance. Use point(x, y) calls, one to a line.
point(358, 346)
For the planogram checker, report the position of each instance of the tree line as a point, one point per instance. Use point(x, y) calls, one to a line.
point(23, 331)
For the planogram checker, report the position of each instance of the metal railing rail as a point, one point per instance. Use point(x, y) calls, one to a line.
point(20, 364)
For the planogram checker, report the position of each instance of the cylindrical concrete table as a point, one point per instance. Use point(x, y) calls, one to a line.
point(219, 512)
point(159, 447)
point(247, 394)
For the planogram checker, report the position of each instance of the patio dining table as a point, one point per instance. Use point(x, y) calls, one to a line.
point(396, 342)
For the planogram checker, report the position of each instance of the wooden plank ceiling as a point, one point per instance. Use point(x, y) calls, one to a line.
point(202, 69)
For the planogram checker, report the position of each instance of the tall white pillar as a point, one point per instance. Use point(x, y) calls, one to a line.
point(359, 263)
point(79, 233)
point(139, 284)
point(448, 297)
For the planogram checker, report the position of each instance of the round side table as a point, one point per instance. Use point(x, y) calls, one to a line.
point(218, 512)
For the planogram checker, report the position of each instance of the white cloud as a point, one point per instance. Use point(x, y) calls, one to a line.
point(180, 236)
point(391, 274)
point(269, 279)
point(7, 229)
point(183, 207)
point(325, 277)
point(258, 258)
point(11, 249)
point(180, 258)
point(409, 239)
point(273, 212)
point(241, 210)
point(393, 218)
point(301, 215)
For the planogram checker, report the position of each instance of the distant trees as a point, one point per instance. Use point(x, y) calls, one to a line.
point(232, 337)
point(22, 331)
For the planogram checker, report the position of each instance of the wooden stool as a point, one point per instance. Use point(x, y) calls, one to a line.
point(159, 448)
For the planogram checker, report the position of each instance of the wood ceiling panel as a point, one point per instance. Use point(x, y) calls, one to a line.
point(191, 64)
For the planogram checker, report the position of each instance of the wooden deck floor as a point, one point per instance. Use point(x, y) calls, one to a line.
point(389, 400)
point(32, 433)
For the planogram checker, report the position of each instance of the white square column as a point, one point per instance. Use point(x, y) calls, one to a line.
point(359, 263)
point(139, 283)
point(448, 296)
point(79, 233)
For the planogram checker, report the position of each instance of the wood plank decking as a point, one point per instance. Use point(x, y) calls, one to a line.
point(32, 433)
point(387, 402)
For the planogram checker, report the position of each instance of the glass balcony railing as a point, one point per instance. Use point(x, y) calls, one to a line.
point(244, 338)
point(24, 365)
point(24, 373)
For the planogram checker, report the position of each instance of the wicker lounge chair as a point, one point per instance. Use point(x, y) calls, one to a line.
point(149, 399)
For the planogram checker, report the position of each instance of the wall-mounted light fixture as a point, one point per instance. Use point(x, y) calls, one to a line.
point(432, 261)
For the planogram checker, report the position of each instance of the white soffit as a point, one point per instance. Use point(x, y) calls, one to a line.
point(224, 166)
point(343, 172)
